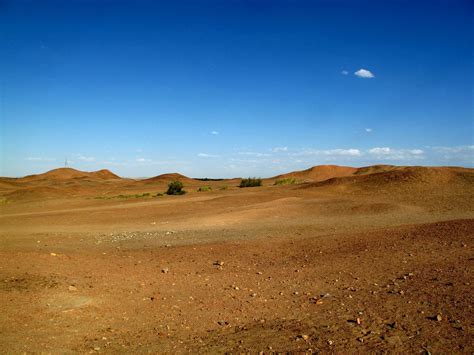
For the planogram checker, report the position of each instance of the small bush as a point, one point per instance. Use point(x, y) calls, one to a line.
point(286, 181)
point(250, 182)
point(205, 189)
point(159, 194)
point(175, 188)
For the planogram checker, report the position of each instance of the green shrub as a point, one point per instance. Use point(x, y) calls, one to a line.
point(250, 182)
point(205, 189)
point(286, 181)
point(175, 188)
point(159, 194)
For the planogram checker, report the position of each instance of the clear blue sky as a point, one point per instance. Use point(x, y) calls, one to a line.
point(234, 88)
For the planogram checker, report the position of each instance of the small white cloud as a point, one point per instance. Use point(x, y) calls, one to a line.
point(215, 133)
point(279, 149)
point(83, 158)
point(364, 73)
point(143, 160)
point(383, 150)
point(369, 130)
point(342, 152)
point(40, 159)
point(204, 155)
point(344, 72)
point(254, 154)
point(386, 153)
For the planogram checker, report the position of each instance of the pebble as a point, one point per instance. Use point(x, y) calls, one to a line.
point(72, 288)
point(165, 270)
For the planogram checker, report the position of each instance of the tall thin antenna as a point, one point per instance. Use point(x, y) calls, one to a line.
point(65, 162)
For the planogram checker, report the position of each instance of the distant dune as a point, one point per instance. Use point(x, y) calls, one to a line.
point(169, 177)
point(69, 173)
point(404, 181)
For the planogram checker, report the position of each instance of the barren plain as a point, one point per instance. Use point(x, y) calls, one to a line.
point(374, 259)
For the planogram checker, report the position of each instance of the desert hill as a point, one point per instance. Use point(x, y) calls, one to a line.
point(169, 177)
point(398, 181)
point(318, 173)
point(70, 173)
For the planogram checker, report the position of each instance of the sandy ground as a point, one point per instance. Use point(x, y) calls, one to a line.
point(353, 264)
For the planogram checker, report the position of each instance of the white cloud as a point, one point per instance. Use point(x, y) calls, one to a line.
point(457, 149)
point(143, 160)
point(83, 158)
point(364, 73)
point(384, 150)
point(215, 133)
point(369, 130)
point(386, 153)
point(254, 154)
point(352, 152)
point(279, 149)
point(344, 72)
point(40, 159)
point(204, 155)
point(343, 152)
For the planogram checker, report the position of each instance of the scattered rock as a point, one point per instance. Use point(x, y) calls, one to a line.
point(219, 263)
point(165, 270)
point(72, 288)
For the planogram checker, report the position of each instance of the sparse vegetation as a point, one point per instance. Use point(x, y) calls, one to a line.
point(159, 194)
point(250, 182)
point(205, 189)
point(286, 181)
point(225, 187)
point(175, 188)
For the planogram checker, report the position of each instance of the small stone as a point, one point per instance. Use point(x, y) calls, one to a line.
point(253, 294)
point(358, 321)
point(303, 336)
point(53, 254)
point(259, 273)
point(439, 318)
point(219, 263)
point(72, 288)
point(165, 270)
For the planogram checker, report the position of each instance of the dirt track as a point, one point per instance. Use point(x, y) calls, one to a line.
point(327, 268)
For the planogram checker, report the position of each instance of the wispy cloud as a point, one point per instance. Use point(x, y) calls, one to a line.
point(387, 153)
point(39, 159)
point(84, 158)
point(205, 155)
point(279, 149)
point(352, 152)
point(369, 130)
point(254, 154)
point(344, 72)
point(215, 133)
point(143, 160)
point(364, 73)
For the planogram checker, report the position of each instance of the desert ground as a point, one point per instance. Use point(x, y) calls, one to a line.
point(342, 259)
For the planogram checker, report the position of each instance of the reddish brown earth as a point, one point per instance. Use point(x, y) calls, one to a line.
point(373, 259)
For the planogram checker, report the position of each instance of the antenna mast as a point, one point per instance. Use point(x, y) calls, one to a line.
point(65, 162)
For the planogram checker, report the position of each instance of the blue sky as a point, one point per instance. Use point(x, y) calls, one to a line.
point(234, 88)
